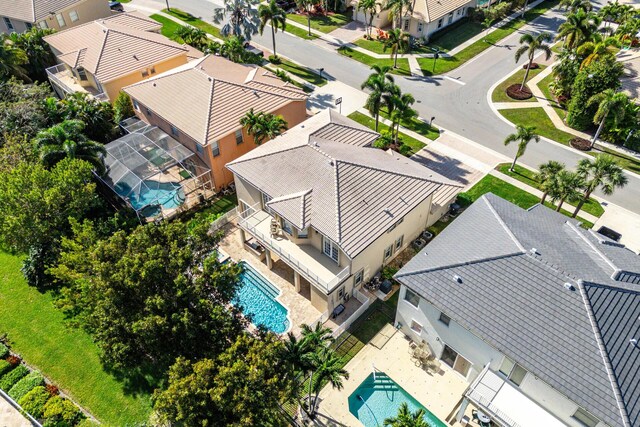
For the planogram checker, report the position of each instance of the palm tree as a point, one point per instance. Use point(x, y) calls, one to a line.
point(397, 8)
point(601, 172)
point(597, 48)
point(565, 187)
point(546, 176)
point(523, 136)
point(609, 102)
point(233, 49)
point(263, 126)
point(328, 367)
point(578, 28)
point(241, 18)
point(308, 6)
point(274, 15)
point(369, 7)
point(609, 12)
point(530, 45)
point(68, 140)
point(575, 5)
point(12, 60)
point(193, 37)
point(397, 40)
point(402, 111)
point(378, 83)
point(405, 418)
point(38, 52)
point(316, 337)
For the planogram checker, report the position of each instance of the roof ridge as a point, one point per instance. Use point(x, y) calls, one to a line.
point(605, 356)
point(344, 125)
point(290, 196)
point(33, 9)
point(104, 42)
point(161, 76)
point(606, 259)
point(502, 223)
point(133, 32)
point(286, 87)
point(337, 199)
point(208, 112)
point(460, 264)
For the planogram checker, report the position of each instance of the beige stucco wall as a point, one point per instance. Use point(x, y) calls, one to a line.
point(87, 10)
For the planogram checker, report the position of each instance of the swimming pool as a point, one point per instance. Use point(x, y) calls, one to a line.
point(257, 297)
point(377, 399)
point(168, 194)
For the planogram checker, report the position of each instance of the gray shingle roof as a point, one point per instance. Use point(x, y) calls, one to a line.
point(357, 192)
point(514, 298)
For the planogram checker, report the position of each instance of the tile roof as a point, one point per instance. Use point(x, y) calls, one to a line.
point(514, 266)
point(432, 10)
point(357, 192)
point(33, 10)
point(207, 98)
point(114, 47)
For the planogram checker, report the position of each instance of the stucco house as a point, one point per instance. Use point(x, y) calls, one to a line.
point(103, 56)
point(539, 315)
point(331, 207)
point(20, 15)
point(200, 104)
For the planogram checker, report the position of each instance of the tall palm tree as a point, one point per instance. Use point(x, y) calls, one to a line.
point(609, 12)
point(546, 176)
point(38, 52)
point(369, 8)
point(263, 126)
point(523, 136)
point(566, 187)
point(274, 15)
point(378, 83)
point(397, 40)
point(328, 368)
point(241, 18)
point(601, 172)
point(597, 48)
point(530, 45)
point(574, 5)
point(68, 140)
point(233, 49)
point(316, 337)
point(308, 6)
point(12, 60)
point(193, 37)
point(405, 418)
point(402, 111)
point(397, 8)
point(578, 28)
point(609, 102)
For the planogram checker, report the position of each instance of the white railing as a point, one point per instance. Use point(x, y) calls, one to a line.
point(347, 323)
point(493, 412)
point(60, 70)
point(19, 409)
point(360, 296)
point(286, 256)
point(224, 220)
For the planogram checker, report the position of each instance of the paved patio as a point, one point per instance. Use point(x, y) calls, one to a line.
point(11, 417)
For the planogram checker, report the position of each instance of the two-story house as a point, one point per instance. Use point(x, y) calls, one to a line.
point(201, 103)
point(539, 315)
point(331, 207)
point(103, 56)
point(20, 15)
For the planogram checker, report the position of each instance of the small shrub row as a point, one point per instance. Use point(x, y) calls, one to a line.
point(59, 411)
point(12, 377)
point(514, 92)
point(5, 367)
point(26, 384)
point(4, 351)
point(34, 401)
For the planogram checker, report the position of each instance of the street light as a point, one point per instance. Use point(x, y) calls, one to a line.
point(431, 121)
point(436, 55)
point(321, 70)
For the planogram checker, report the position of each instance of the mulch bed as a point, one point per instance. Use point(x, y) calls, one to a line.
point(534, 66)
point(580, 144)
point(514, 92)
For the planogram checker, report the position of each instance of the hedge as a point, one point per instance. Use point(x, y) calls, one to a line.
point(9, 379)
point(59, 411)
point(34, 401)
point(4, 351)
point(25, 385)
point(5, 367)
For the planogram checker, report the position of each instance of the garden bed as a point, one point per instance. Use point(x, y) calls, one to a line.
point(518, 92)
point(500, 92)
point(580, 144)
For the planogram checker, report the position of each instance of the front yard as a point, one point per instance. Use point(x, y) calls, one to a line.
point(324, 23)
point(196, 22)
point(369, 122)
point(403, 64)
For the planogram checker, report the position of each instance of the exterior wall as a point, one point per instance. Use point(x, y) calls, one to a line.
point(479, 353)
point(87, 10)
point(379, 21)
point(319, 300)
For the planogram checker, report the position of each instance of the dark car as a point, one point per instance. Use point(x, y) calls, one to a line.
point(253, 50)
point(116, 6)
point(286, 4)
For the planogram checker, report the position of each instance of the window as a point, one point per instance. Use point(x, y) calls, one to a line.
point(8, 23)
point(459, 11)
point(454, 360)
point(406, 25)
point(82, 74)
point(359, 276)
point(411, 297)
point(152, 70)
point(29, 25)
point(507, 366)
point(215, 149)
point(199, 149)
point(145, 73)
point(73, 15)
point(43, 25)
point(330, 249)
point(174, 131)
point(388, 252)
point(444, 319)
point(450, 19)
point(287, 227)
point(449, 356)
point(420, 25)
point(517, 374)
point(266, 199)
point(136, 105)
point(416, 327)
point(149, 112)
point(399, 242)
point(303, 234)
point(440, 23)
point(585, 418)
point(60, 19)
point(239, 137)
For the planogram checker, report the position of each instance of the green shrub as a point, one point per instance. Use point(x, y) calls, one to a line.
point(464, 200)
point(88, 423)
point(5, 367)
point(274, 59)
point(34, 401)
point(9, 379)
point(25, 385)
point(59, 411)
point(4, 351)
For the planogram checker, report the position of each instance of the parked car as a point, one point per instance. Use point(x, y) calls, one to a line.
point(253, 50)
point(116, 6)
point(286, 4)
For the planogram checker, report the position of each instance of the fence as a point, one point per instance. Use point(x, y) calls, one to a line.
point(224, 220)
point(356, 314)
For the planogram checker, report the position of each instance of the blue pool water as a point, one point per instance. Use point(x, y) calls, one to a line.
point(169, 195)
point(257, 297)
point(382, 398)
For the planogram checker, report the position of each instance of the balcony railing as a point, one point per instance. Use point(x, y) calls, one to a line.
point(63, 79)
point(288, 256)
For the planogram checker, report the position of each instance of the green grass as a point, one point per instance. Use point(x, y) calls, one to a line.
point(376, 46)
point(325, 24)
point(67, 356)
point(196, 22)
point(371, 124)
point(528, 177)
point(455, 35)
point(418, 126)
point(445, 65)
point(403, 64)
point(299, 32)
point(302, 72)
point(499, 93)
point(169, 27)
point(544, 86)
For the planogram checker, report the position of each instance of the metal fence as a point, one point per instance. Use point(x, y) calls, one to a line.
point(19, 409)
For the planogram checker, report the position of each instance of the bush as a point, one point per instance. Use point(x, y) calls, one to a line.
point(9, 379)
point(580, 144)
point(25, 385)
point(534, 66)
point(14, 360)
point(464, 200)
point(34, 401)
point(122, 108)
point(274, 59)
point(4, 351)
point(59, 411)
point(514, 92)
point(5, 367)
point(53, 390)
point(88, 423)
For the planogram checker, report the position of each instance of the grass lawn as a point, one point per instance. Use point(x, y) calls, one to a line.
point(418, 126)
point(302, 72)
point(325, 24)
point(546, 90)
point(67, 356)
point(528, 177)
point(371, 124)
point(499, 93)
point(376, 46)
point(403, 64)
point(455, 35)
point(169, 27)
point(196, 22)
point(299, 32)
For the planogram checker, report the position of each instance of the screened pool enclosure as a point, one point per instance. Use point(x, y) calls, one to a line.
point(153, 173)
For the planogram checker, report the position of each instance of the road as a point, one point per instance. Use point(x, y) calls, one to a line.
point(461, 107)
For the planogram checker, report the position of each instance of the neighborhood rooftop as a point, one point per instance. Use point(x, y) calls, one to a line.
point(432, 10)
point(32, 10)
point(323, 173)
point(207, 98)
point(561, 300)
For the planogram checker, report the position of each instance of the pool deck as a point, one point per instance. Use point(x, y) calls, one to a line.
point(440, 392)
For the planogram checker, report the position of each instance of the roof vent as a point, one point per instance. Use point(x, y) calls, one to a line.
point(255, 93)
point(534, 251)
point(154, 84)
point(331, 162)
point(568, 286)
point(633, 342)
point(457, 278)
point(210, 79)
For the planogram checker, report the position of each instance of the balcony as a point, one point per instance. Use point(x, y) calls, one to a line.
point(65, 82)
point(308, 261)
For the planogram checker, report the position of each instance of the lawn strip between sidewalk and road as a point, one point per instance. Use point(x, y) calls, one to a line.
point(369, 122)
